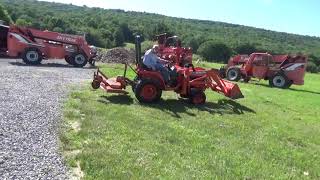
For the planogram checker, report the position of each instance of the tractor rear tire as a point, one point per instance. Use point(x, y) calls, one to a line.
point(147, 91)
point(79, 60)
point(280, 81)
point(233, 74)
point(32, 56)
point(197, 97)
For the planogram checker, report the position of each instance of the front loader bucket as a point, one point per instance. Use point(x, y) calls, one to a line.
point(218, 84)
point(232, 90)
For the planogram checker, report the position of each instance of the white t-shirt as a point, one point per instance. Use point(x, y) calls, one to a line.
point(150, 59)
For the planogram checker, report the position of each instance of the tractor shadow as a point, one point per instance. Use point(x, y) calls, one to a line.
point(306, 91)
point(289, 89)
point(53, 65)
point(116, 99)
point(182, 106)
point(177, 107)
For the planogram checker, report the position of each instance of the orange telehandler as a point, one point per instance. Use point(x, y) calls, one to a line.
point(35, 45)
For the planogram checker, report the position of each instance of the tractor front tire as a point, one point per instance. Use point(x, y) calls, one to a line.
point(32, 56)
point(197, 97)
point(69, 60)
point(280, 81)
point(233, 74)
point(79, 60)
point(147, 91)
point(135, 81)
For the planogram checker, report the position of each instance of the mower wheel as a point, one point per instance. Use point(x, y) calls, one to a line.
point(69, 60)
point(197, 97)
point(95, 84)
point(147, 91)
point(79, 60)
point(233, 74)
point(280, 81)
point(32, 56)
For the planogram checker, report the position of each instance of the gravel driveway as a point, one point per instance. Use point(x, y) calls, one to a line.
point(30, 111)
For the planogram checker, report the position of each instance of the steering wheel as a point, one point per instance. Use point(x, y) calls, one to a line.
point(190, 65)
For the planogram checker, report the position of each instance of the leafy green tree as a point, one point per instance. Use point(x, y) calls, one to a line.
point(23, 22)
point(214, 51)
point(58, 29)
point(245, 49)
point(92, 23)
point(314, 59)
point(127, 33)
point(4, 15)
point(194, 42)
point(312, 67)
point(159, 28)
point(94, 37)
point(118, 37)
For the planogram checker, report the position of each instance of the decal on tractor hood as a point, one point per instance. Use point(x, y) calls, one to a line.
point(69, 39)
point(294, 66)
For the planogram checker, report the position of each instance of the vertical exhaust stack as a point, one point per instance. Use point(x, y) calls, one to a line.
point(138, 50)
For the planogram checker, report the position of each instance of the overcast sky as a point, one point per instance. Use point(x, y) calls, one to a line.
point(292, 16)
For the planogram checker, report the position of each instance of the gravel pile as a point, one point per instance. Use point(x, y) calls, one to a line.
point(30, 112)
point(116, 55)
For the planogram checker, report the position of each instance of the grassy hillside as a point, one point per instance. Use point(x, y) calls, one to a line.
point(270, 134)
point(108, 28)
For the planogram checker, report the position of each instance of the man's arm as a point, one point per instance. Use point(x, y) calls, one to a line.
point(162, 61)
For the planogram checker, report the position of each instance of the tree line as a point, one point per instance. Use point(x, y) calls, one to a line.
point(215, 41)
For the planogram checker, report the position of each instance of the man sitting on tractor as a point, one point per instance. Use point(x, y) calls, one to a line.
point(152, 61)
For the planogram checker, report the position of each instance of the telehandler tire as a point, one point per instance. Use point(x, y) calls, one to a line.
point(280, 80)
point(233, 74)
point(79, 60)
point(32, 56)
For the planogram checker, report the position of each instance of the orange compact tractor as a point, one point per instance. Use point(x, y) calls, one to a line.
point(189, 81)
point(281, 70)
point(34, 45)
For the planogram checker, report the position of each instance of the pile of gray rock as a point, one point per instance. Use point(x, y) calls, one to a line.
point(116, 55)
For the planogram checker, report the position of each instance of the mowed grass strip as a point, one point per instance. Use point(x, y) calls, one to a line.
point(271, 133)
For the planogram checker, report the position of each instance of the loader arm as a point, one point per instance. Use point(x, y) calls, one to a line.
point(216, 83)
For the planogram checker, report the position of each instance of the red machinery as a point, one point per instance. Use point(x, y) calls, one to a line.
point(281, 70)
point(34, 45)
point(190, 82)
point(170, 49)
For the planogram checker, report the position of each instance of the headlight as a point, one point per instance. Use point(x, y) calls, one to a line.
point(93, 50)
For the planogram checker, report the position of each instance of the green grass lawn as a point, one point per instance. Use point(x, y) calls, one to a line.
point(270, 134)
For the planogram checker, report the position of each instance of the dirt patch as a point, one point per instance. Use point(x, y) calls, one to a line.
point(76, 173)
point(76, 126)
point(116, 55)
